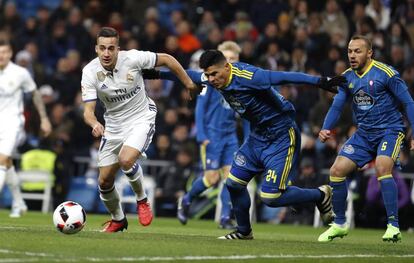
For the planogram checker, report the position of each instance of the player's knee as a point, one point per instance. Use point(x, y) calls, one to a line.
point(105, 183)
point(271, 200)
point(383, 169)
point(212, 177)
point(126, 162)
point(336, 171)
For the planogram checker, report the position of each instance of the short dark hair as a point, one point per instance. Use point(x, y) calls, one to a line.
point(108, 32)
point(367, 41)
point(210, 58)
point(5, 42)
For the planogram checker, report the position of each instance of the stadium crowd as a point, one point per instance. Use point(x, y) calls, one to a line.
point(55, 39)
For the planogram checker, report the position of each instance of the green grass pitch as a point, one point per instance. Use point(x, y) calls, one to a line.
point(33, 238)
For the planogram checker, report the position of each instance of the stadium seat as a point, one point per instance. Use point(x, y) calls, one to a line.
point(83, 190)
point(37, 176)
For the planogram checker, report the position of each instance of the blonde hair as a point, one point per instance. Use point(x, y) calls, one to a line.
point(229, 46)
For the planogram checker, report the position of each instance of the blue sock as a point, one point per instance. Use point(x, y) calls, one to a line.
point(241, 204)
point(197, 188)
point(340, 193)
point(225, 202)
point(294, 195)
point(390, 196)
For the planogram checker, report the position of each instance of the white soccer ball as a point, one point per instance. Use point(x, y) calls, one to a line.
point(69, 217)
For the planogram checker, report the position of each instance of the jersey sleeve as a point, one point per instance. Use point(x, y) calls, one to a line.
point(400, 90)
point(88, 87)
point(143, 59)
point(335, 110)
point(266, 78)
point(28, 84)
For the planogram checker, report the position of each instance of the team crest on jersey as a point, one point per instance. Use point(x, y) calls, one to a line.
point(240, 160)
point(363, 100)
point(236, 105)
point(349, 149)
point(130, 78)
point(100, 75)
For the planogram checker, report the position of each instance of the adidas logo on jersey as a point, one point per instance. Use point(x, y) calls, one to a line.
point(104, 86)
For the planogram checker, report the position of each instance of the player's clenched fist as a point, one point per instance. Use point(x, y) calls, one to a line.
point(324, 135)
point(98, 130)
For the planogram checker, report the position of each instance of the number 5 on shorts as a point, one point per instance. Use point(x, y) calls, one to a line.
point(384, 146)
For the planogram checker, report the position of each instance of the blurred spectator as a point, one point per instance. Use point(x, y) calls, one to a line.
point(334, 19)
point(214, 38)
point(10, 20)
point(206, 24)
point(172, 184)
point(241, 29)
point(379, 12)
point(152, 38)
point(187, 41)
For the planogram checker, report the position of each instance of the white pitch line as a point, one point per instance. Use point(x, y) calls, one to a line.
point(51, 257)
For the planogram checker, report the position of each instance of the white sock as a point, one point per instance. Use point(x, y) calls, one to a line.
point(3, 170)
point(111, 200)
point(13, 182)
point(136, 180)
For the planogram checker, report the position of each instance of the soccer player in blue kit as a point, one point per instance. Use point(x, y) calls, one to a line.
point(217, 136)
point(376, 90)
point(273, 145)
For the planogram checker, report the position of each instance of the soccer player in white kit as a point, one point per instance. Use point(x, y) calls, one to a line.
point(115, 78)
point(14, 81)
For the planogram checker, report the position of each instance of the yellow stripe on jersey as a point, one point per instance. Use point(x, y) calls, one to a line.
point(242, 73)
point(269, 195)
point(384, 177)
point(366, 71)
point(349, 69)
point(237, 180)
point(397, 146)
point(289, 158)
point(384, 68)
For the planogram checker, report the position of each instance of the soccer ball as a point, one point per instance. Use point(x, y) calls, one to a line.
point(69, 217)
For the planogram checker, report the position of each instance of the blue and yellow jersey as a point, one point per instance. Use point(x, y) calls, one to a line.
point(375, 96)
point(250, 92)
point(214, 117)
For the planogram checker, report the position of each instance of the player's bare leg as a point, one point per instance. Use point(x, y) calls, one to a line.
point(338, 172)
point(110, 197)
point(383, 166)
point(128, 157)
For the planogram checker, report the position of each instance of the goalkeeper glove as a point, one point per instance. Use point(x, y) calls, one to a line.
point(330, 84)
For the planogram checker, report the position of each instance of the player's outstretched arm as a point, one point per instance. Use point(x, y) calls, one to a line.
point(333, 115)
point(171, 63)
point(326, 83)
point(400, 91)
point(45, 125)
point(90, 119)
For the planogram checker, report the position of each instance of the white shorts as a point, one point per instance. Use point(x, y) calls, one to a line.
point(10, 138)
point(138, 137)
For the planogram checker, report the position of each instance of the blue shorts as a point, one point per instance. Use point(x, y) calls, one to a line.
point(219, 152)
point(275, 159)
point(364, 146)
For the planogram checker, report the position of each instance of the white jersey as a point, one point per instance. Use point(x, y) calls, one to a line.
point(122, 91)
point(14, 80)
